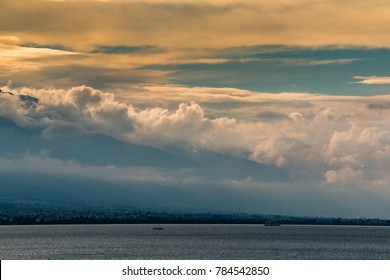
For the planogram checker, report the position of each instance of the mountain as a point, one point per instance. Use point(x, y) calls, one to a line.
point(5, 92)
point(94, 149)
point(217, 165)
point(27, 101)
point(103, 150)
point(96, 169)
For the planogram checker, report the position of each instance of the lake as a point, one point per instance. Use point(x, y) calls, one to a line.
point(238, 242)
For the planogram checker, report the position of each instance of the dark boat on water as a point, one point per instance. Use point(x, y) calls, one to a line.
point(158, 228)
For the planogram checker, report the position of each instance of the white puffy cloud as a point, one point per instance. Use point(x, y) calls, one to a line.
point(333, 139)
point(83, 106)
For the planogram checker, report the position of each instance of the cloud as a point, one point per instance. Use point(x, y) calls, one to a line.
point(43, 163)
point(330, 136)
point(112, 67)
point(125, 49)
point(9, 40)
point(343, 176)
point(64, 129)
point(269, 115)
point(322, 145)
point(176, 23)
point(57, 65)
point(378, 106)
point(30, 177)
point(53, 47)
point(372, 80)
point(296, 61)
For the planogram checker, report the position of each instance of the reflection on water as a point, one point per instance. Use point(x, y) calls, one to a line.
point(193, 242)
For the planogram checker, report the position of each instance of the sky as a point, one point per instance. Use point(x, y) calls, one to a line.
point(278, 107)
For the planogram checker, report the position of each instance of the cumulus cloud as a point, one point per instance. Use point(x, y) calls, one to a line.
point(332, 139)
point(82, 106)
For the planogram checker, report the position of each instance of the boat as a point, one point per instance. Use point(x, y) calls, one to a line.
point(158, 228)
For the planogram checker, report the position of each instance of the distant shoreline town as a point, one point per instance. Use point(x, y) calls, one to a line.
point(48, 215)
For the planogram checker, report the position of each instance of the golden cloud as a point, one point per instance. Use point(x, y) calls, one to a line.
point(197, 24)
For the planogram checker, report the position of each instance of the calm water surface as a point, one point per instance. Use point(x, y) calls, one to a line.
point(193, 242)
